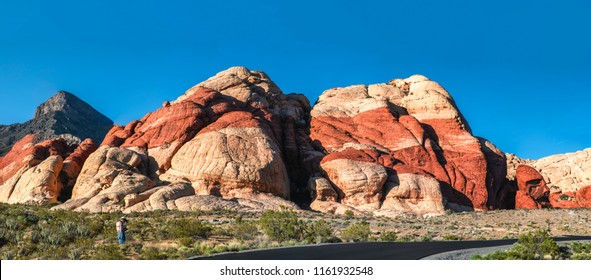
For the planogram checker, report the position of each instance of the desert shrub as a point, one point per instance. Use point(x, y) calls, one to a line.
point(319, 232)
point(185, 241)
point(537, 245)
point(451, 237)
point(188, 228)
point(427, 237)
point(349, 214)
point(357, 232)
point(151, 253)
point(388, 236)
point(281, 225)
point(581, 251)
point(108, 252)
point(243, 230)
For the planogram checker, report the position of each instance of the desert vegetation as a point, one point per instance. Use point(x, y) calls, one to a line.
point(35, 232)
point(539, 245)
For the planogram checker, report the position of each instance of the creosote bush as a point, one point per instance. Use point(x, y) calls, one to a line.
point(388, 236)
point(357, 232)
point(243, 230)
point(184, 227)
point(282, 225)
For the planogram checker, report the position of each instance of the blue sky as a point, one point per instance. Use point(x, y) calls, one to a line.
point(518, 71)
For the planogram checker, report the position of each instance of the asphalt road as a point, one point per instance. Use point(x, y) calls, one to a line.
point(368, 251)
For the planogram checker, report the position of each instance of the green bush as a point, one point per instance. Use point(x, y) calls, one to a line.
point(357, 232)
point(319, 232)
point(188, 228)
point(450, 237)
point(581, 251)
point(243, 230)
point(185, 241)
point(108, 252)
point(282, 225)
point(388, 236)
point(349, 214)
point(151, 253)
point(537, 245)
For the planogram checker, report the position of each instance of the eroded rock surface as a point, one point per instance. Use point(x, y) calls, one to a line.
point(532, 193)
point(37, 173)
point(234, 136)
point(404, 146)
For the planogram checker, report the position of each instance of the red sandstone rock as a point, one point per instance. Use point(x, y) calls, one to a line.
point(235, 135)
point(31, 173)
point(563, 200)
point(584, 196)
point(14, 159)
point(416, 128)
point(74, 162)
point(533, 192)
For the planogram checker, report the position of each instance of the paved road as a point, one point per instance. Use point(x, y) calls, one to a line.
point(368, 251)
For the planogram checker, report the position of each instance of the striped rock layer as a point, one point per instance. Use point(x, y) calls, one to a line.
point(234, 140)
point(402, 146)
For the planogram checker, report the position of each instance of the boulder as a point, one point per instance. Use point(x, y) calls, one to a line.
point(412, 193)
point(583, 196)
point(532, 189)
point(109, 174)
point(233, 154)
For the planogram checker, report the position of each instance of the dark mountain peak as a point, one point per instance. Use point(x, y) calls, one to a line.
point(63, 115)
point(61, 101)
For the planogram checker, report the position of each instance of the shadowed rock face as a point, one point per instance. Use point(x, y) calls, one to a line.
point(63, 115)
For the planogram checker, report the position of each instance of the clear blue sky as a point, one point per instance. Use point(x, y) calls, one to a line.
point(519, 72)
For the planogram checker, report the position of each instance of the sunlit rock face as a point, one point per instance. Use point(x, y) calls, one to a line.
point(404, 146)
point(235, 136)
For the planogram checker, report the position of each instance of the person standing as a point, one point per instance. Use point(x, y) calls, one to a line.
point(121, 228)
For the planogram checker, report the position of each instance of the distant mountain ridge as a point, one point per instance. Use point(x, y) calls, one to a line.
point(63, 115)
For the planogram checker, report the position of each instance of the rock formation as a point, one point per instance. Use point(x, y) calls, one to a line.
point(234, 139)
point(37, 173)
point(566, 172)
point(532, 190)
point(404, 146)
point(40, 159)
point(566, 175)
point(65, 116)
